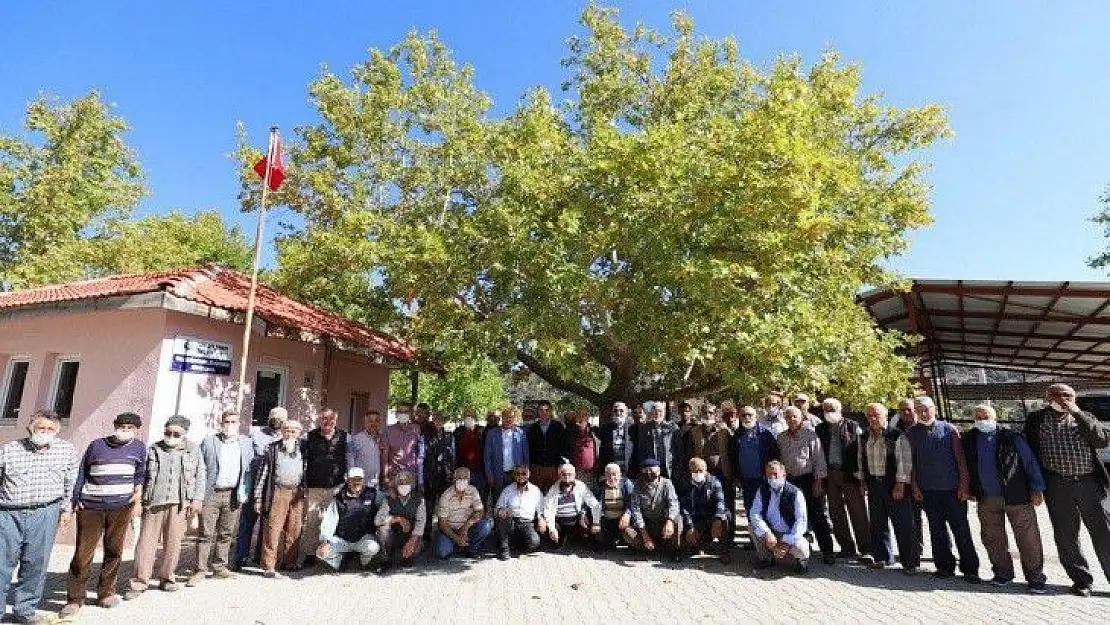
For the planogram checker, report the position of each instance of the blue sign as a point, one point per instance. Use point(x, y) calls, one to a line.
point(191, 355)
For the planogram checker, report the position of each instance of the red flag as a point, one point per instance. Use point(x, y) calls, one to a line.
point(272, 162)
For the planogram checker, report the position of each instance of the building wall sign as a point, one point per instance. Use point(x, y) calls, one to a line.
point(193, 355)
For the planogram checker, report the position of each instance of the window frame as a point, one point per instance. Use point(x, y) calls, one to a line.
point(52, 397)
point(6, 390)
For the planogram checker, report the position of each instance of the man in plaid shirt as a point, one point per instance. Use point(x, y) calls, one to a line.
point(37, 474)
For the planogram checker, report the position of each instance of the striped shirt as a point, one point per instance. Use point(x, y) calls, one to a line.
point(109, 474)
point(32, 477)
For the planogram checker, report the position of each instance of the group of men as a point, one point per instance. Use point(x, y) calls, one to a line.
point(381, 495)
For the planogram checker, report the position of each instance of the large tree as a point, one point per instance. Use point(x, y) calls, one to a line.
point(67, 194)
point(679, 223)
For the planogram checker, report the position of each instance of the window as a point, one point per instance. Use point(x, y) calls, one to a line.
point(269, 391)
point(11, 394)
point(65, 383)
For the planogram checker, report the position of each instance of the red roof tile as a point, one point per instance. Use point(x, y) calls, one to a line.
point(222, 288)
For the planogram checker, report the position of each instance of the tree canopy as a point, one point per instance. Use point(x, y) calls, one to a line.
point(680, 222)
point(67, 196)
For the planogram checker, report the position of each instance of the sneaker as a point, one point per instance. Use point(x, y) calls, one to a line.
point(195, 579)
point(973, 579)
point(25, 618)
point(1080, 590)
point(168, 585)
point(132, 594)
point(866, 560)
point(1000, 581)
point(877, 565)
point(1037, 588)
point(108, 602)
point(224, 573)
point(943, 574)
point(70, 610)
point(801, 567)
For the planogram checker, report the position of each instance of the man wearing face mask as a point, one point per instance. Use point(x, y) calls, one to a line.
point(37, 476)
point(109, 486)
point(261, 439)
point(461, 522)
point(614, 495)
point(772, 415)
point(755, 446)
point(941, 483)
point(279, 489)
point(439, 463)
point(348, 523)
point(570, 509)
point(228, 456)
point(468, 452)
point(1006, 482)
point(656, 513)
point(615, 438)
point(172, 493)
point(1066, 441)
point(778, 520)
point(403, 446)
point(804, 458)
point(400, 522)
point(704, 513)
point(840, 440)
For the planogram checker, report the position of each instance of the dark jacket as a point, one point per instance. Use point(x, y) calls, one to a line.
point(671, 462)
point(550, 449)
point(456, 438)
point(1012, 476)
point(703, 502)
point(265, 480)
point(849, 437)
point(356, 514)
point(891, 436)
point(325, 461)
point(439, 461)
point(1089, 428)
point(768, 446)
point(606, 451)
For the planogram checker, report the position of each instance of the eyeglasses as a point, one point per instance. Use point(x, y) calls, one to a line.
point(172, 434)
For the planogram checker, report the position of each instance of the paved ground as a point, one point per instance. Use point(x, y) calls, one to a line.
point(578, 588)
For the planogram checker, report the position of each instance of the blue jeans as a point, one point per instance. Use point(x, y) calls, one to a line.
point(26, 538)
point(475, 540)
point(944, 510)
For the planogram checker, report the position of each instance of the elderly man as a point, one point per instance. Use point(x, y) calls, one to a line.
point(109, 486)
point(519, 515)
point(884, 465)
point(705, 514)
point(470, 450)
point(279, 489)
point(364, 449)
point(755, 446)
point(660, 440)
point(1065, 440)
point(1007, 482)
point(172, 494)
point(403, 446)
point(614, 495)
point(656, 514)
point(228, 456)
point(585, 448)
point(615, 438)
point(840, 441)
point(941, 483)
point(400, 521)
point(439, 465)
point(461, 522)
point(772, 416)
point(506, 449)
point(570, 509)
point(325, 462)
point(713, 441)
point(906, 418)
point(548, 446)
point(348, 523)
point(801, 402)
point(803, 457)
point(37, 476)
point(261, 438)
point(778, 520)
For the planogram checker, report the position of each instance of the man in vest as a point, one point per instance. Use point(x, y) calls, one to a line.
point(615, 437)
point(941, 483)
point(400, 522)
point(348, 523)
point(1065, 440)
point(885, 466)
point(778, 521)
point(840, 441)
point(1007, 482)
point(548, 445)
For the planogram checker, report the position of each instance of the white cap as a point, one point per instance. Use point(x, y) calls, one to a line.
point(801, 397)
point(355, 472)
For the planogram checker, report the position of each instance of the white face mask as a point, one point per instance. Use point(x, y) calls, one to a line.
point(468, 423)
point(928, 420)
point(404, 490)
point(124, 436)
point(289, 443)
point(776, 483)
point(747, 425)
point(774, 412)
point(43, 439)
point(987, 426)
point(171, 442)
point(698, 477)
point(834, 417)
point(460, 485)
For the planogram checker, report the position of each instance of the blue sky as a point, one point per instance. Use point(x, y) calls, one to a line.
point(1025, 85)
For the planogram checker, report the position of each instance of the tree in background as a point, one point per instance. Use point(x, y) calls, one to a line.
point(1102, 261)
point(473, 383)
point(67, 197)
point(682, 222)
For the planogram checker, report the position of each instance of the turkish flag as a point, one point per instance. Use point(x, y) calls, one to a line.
point(272, 162)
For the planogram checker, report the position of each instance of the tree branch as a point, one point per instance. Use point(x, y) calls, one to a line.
point(552, 377)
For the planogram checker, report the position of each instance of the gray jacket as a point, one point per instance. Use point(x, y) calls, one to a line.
point(192, 471)
point(210, 451)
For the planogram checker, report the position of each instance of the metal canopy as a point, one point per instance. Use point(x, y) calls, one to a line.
point(1053, 328)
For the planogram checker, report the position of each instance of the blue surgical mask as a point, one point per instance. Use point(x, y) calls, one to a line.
point(987, 426)
point(776, 483)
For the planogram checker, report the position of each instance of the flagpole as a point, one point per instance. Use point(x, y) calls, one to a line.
point(270, 159)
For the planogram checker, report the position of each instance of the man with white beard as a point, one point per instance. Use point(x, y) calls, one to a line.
point(840, 440)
